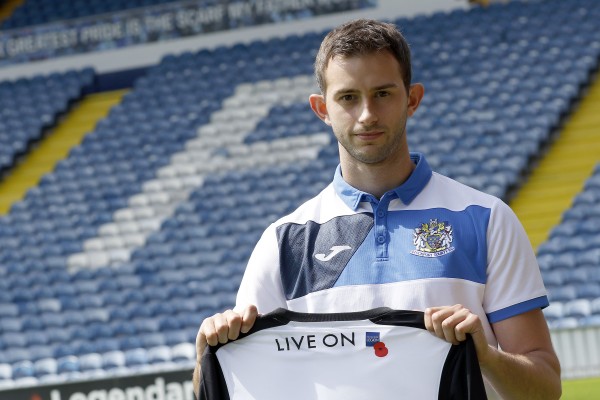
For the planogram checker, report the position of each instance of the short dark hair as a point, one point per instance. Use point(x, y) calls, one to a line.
point(360, 37)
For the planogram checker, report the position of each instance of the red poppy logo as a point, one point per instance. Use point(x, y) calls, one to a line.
point(380, 349)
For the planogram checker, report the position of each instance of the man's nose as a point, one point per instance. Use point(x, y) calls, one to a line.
point(368, 114)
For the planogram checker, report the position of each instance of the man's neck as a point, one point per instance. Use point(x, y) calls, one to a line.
point(376, 179)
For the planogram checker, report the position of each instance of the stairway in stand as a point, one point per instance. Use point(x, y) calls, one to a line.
point(562, 172)
point(55, 146)
point(7, 8)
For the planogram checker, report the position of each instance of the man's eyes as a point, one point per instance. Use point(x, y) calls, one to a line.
point(353, 97)
point(347, 97)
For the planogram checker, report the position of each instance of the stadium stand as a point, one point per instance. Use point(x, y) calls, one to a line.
point(144, 229)
point(38, 12)
point(29, 106)
point(41, 12)
point(570, 260)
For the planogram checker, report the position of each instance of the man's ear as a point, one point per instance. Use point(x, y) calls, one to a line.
point(415, 95)
point(317, 104)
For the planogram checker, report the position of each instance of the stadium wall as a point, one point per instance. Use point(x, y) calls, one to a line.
point(172, 385)
point(139, 57)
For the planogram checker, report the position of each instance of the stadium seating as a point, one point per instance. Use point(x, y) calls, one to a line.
point(28, 106)
point(570, 258)
point(144, 229)
point(38, 12)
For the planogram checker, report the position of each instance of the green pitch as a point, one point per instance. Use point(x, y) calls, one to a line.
point(581, 389)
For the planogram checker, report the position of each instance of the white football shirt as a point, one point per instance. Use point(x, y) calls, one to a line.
point(373, 354)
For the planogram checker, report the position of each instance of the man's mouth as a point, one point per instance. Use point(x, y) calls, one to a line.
point(369, 135)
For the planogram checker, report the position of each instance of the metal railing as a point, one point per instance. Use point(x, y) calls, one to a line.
point(578, 350)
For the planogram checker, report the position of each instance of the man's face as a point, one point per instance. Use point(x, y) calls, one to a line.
point(367, 106)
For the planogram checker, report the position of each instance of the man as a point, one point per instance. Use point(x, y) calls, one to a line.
point(390, 232)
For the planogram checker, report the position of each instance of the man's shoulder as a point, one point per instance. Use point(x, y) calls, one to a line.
point(453, 191)
point(324, 206)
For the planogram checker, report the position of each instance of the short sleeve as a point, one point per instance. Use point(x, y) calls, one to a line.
point(514, 282)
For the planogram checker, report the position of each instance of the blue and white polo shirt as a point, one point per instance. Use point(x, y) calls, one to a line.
point(430, 242)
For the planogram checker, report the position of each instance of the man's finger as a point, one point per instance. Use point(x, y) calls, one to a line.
point(428, 316)
point(207, 334)
point(248, 318)
point(470, 324)
point(234, 323)
point(439, 327)
point(444, 321)
point(447, 327)
point(221, 328)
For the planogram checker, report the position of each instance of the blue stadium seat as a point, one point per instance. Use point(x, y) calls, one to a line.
point(11, 324)
point(183, 353)
point(106, 345)
point(74, 317)
point(59, 334)
point(113, 360)
point(578, 308)
point(23, 369)
point(175, 337)
point(34, 337)
point(146, 325)
point(44, 367)
point(564, 323)
point(130, 342)
point(590, 321)
point(152, 340)
point(8, 310)
point(554, 311)
point(91, 362)
point(16, 354)
point(588, 290)
point(564, 293)
point(5, 372)
point(64, 349)
point(159, 354)
point(13, 340)
point(54, 319)
point(67, 364)
point(136, 357)
point(37, 352)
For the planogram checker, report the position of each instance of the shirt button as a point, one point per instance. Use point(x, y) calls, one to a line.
point(380, 213)
point(381, 239)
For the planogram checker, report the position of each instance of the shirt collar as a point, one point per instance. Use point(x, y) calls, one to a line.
point(405, 192)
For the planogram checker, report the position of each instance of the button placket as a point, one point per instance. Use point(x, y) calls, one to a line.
point(381, 231)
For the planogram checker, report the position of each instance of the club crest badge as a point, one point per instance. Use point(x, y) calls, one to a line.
point(433, 239)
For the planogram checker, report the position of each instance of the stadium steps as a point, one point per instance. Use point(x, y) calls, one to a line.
point(8, 7)
point(56, 145)
point(562, 172)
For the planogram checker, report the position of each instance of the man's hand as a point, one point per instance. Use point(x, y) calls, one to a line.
point(452, 323)
point(525, 368)
point(223, 327)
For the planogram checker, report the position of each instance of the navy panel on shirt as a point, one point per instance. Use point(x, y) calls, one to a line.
point(314, 255)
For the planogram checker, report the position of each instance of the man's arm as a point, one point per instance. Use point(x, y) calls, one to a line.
point(526, 367)
point(221, 328)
